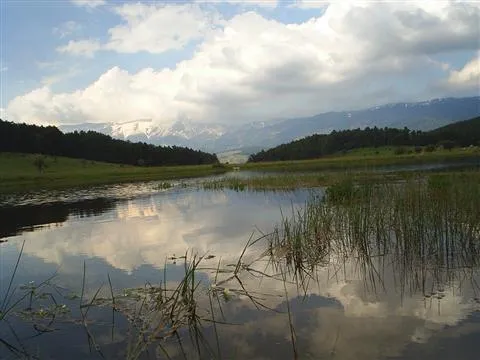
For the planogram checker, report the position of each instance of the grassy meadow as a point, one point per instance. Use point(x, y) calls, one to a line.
point(19, 172)
point(368, 158)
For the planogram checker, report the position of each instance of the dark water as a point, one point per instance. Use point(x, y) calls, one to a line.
point(135, 234)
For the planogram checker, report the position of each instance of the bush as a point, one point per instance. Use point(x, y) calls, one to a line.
point(40, 163)
point(430, 148)
point(400, 151)
point(447, 144)
point(219, 165)
point(418, 149)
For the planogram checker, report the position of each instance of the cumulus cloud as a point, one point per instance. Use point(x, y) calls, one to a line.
point(85, 48)
point(312, 4)
point(468, 76)
point(253, 68)
point(246, 3)
point(156, 29)
point(89, 3)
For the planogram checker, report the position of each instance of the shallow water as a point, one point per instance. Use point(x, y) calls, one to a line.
point(135, 234)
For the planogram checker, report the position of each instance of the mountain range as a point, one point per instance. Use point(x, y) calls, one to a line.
point(215, 137)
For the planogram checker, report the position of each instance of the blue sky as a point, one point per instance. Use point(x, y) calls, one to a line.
point(71, 61)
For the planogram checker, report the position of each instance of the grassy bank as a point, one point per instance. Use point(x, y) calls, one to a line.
point(291, 181)
point(368, 158)
point(19, 172)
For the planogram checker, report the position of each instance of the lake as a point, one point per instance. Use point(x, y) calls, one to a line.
point(193, 275)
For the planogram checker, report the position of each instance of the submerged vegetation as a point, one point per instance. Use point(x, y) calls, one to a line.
point(424, 229)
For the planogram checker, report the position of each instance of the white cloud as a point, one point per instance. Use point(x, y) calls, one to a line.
point(86, 48)
point(66, 29)
point(312, 4)
point(468, 76)
point(89, 3)
point(3, 69)
point(245, 3)
point(355, 55)
point(3, 114)
point(156, 29)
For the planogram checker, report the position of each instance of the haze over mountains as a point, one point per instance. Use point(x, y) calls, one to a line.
point(424, 115)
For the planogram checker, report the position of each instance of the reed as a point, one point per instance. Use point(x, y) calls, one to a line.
point(426, 223)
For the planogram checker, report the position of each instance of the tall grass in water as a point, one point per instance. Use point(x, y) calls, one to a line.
point(421, 225)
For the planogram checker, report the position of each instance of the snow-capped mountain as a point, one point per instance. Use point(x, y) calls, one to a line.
point(423, 115)
point(180, 133)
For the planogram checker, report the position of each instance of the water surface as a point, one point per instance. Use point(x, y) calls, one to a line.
point(136, 234)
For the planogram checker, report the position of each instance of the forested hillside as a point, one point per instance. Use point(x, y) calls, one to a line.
point(90, 145)
point(463, 133)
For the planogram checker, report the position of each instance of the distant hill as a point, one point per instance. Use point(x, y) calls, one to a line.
point(425, 115)
point(463, 133)
point(92, 145)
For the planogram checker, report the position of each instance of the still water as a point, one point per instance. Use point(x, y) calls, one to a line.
point(132, 235)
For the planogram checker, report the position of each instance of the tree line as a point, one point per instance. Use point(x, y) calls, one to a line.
point(91, 145)
point(463, 133)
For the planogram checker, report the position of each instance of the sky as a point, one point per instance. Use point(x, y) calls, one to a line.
point(229, 62)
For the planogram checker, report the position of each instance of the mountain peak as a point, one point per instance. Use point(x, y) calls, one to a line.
point(423, 115)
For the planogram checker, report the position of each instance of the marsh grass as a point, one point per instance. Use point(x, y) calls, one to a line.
point(288, 181)
point(421, 225)
point(336, 180)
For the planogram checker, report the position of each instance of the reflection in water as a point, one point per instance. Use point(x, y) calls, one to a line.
point(342, 298)
point(18, 219)
point(150, 229)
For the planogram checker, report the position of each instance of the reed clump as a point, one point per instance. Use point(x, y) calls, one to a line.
point(428, 222)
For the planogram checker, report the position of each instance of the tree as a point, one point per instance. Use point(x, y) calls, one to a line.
point(40, 163)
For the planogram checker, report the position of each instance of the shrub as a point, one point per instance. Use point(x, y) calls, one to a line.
point(430, 148)
point(447, 144)
point(40, 163)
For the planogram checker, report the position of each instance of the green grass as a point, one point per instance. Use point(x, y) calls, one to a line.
point(367, 158)
point(292, 181)
point(18, 172)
